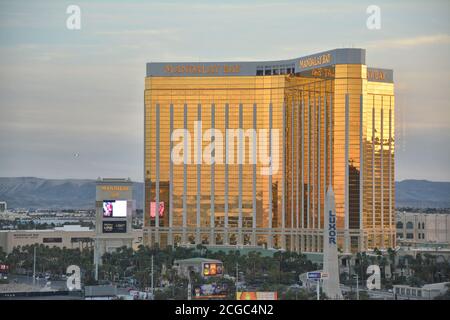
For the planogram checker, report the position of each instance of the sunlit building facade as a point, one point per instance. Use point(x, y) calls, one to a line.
point(241, 153)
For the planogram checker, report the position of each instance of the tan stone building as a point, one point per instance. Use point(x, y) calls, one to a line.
point(73, 237)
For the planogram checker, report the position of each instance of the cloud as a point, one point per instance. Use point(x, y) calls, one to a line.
point(64, 92)
point(402, 43)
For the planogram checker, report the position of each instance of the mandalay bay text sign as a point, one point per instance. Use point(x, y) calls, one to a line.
point(202, 68)
point(315, 61)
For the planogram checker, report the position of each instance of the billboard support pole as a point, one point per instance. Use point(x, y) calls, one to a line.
point(318, 289)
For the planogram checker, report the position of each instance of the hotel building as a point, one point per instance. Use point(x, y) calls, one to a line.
point(241, 153)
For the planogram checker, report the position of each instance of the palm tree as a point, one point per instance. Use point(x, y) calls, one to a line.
point(392, 257)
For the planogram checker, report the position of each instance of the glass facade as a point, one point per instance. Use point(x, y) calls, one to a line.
point(242, 154)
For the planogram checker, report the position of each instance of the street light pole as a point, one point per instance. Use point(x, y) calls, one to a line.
point(318, 289)
point(237, 275)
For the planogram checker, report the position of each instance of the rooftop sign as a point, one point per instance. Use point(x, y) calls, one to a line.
point(315, 61)
point(252, 68)
point(380, 75)
point(195, 69)
point(200, 69)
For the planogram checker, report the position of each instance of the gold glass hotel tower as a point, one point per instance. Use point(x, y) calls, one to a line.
point(242, 153)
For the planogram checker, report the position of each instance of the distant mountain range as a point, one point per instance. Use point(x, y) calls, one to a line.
point(37, 193)
point(422, 194)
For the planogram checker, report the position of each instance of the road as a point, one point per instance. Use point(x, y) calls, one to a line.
point(373, 294)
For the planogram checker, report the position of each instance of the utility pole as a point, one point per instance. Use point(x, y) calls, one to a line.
point(152, 277)
point(357, 287)
point(34, 266)
point(96, 259)
point(237, 276)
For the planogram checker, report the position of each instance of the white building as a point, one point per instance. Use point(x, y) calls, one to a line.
point(427, 292)
point(204, 267)
point(423, 228)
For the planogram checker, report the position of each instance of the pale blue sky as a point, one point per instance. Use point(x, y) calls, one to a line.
point(59, 87)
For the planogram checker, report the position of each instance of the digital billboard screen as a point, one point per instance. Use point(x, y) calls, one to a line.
point(257, 295)
point(114, 227)
point(153, 209)
point(210, 291)
point(4, 268)
point(114, 208)
point(212, 269)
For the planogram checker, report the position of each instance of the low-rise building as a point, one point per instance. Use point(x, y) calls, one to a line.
point(204, 267)
point(69, 236)
point(423, 228)
point(427, 292)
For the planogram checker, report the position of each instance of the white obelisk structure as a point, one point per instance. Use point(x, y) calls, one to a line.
point(330, 252)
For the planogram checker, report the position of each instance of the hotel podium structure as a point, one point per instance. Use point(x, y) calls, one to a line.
point(241, 153)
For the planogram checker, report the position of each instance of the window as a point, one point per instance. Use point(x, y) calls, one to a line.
point(410, 236)
point(423, 225)
point(399, 225)
point(419, 293)
point(259, 72)
point(268, 72)
point(52, 240)
point(408, 292)
point(399, 235)
point(409, 225)
point(81, 239)
point(276, 71)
